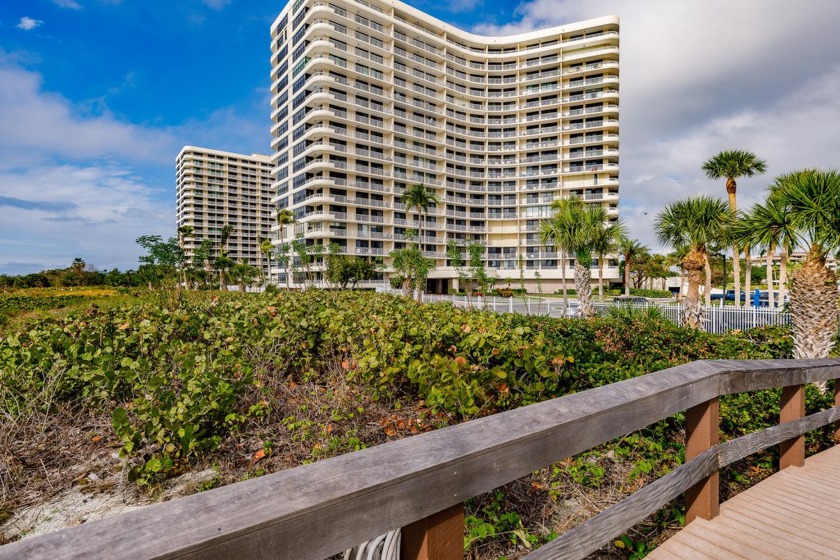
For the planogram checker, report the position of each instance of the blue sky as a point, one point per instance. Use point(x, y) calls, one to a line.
point(98, 96)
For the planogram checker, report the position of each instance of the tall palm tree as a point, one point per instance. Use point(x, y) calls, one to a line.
point(223, 263)
point(770, 225)
point(630, 250)
point(419, 197)
point(693, 224)
point(606, 241)
point(183, 233)
point(285, 217)
point(734, 164)
point(267, 249)
point(574, 229)
point(812, 200)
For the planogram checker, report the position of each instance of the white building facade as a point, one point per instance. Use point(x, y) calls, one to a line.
point(369, 98)
point(216, 188)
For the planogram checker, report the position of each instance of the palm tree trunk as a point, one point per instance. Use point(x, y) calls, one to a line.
point(783, 264)
point(769, 266)
point(747, 274)
point(707, 287)
point(813, 308)
point(693, 311)
point(419, 288)
point(736, 273)
point(563, 258)
point(286, 259)
point(601, 277)
point(626, 276)
point(583, 285)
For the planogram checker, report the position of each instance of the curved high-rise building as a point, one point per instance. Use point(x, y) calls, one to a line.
point(369, 98)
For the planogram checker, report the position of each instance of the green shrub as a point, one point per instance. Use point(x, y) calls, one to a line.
point(179, 373)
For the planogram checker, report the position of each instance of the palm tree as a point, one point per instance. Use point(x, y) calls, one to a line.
point(629, 249)
point(418, 197)
point(285, 217)
point(812, 200)
point(734, 164)
point(574, 230)
point(606, 241)
point(267, 249)
point(693, 224)
point(223, 263)
point(412, 267)
point(243, 274)
point(183, 233)
point(769, 225)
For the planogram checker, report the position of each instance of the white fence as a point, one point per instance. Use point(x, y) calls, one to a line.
point(717, 319)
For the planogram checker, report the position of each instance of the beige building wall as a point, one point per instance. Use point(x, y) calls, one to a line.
point(369, 98)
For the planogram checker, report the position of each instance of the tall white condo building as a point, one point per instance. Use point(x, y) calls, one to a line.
point(369, 98)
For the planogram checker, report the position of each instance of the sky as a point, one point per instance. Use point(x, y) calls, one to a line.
point(98, 96)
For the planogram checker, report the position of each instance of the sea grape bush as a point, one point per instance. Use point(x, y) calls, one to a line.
point(177, 373)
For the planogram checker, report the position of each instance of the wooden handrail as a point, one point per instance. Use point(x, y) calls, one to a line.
point(317, 510)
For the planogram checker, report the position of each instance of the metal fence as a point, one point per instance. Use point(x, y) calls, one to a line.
point(717, 319)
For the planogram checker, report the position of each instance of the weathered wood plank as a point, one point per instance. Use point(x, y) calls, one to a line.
point(753, 375)
point(744, 446)
point(313, 511)
point(790, 504)
point(745, 540)
point(706, 549)
point(602, 528)
point(801, 535)
point(701, 530)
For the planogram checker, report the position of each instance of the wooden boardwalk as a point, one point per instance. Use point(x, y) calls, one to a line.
point(793, 514)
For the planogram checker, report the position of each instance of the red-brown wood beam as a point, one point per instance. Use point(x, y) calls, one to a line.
point(437, 537)
point(792, 407)
point(702, 431)
point(837, 403)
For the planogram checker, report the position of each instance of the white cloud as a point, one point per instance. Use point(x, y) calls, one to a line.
point(701, 77)
point(55, 212)
point(78, 182)
point(69, 4)
point(61, 193)
point(34, 122)
point(28, 24)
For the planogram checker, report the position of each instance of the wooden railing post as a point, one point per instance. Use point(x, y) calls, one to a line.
point(437, 537)
point(702, 431)
point(792, 407)
point(837, 403)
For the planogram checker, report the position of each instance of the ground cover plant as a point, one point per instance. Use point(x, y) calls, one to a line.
point(20, 302)
point(239, 385)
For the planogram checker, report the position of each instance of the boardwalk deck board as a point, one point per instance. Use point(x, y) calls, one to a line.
point(792, 514)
